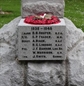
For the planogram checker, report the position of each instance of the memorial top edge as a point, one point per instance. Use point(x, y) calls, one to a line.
point(56, 1)
point(22, 23)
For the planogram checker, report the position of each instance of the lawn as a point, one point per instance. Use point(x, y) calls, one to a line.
point(74, 10)
point(10, 6)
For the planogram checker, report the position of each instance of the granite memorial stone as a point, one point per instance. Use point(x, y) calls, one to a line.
point(42, 42)
point(69, 72)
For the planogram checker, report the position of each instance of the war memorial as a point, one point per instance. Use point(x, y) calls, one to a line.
point(41, 47)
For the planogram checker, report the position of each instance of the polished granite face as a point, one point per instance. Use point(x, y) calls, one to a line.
point(31, 7)
point(41, 42)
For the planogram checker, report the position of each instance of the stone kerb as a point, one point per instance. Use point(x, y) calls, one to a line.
point(30, 7)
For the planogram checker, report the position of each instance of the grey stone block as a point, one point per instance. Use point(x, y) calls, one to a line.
point(11, 71)
point(56, 7)
point(46, 74)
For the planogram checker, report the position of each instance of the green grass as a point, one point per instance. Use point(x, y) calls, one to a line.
point(12, 6)
point(74, 10)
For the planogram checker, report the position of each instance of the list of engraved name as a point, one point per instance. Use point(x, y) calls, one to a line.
point(44, 41)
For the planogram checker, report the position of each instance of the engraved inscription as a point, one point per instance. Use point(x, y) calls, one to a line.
point(42, 43)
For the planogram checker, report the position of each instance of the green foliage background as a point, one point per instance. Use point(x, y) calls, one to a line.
point(74, 10)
